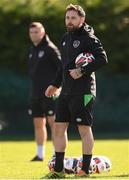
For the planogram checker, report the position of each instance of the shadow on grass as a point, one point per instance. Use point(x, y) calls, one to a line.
point(97, 177)
point(113, 176)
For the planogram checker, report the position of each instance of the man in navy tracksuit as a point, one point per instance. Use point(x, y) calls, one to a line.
point(78, 93)
point(43, 64)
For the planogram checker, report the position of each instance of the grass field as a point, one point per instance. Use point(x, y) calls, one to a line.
point(15, 158)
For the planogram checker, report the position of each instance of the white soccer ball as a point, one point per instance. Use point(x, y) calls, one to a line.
point(103, 164)
point(79, 165)
point(51, 164)
point(70, 165)
point(99, 164)
point(108, 164)
point(92, 168)
point(83, 59)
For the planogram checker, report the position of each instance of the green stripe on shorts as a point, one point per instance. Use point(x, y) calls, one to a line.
point(87, 98)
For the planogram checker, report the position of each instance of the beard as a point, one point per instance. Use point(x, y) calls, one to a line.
point(71, 28)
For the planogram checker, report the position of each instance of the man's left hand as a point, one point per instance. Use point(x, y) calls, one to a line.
point(75, 73)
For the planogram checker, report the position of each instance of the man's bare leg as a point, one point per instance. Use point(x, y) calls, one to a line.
point(51, 122)
point(40, 135)
point(60, 141)
point(87, 146)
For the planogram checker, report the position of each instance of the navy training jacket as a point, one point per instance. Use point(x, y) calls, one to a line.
point(43, 64)
point(73, 44)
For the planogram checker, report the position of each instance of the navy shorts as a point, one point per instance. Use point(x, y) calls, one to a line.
point(75, 108)
point(41, 107)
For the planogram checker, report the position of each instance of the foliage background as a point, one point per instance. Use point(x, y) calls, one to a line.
point(110, 19)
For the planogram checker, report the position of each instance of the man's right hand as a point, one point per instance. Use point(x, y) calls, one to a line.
point(50, 91)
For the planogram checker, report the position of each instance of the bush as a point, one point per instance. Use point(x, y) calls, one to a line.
point(14, 89)
point(111, 108)
point(110, 112)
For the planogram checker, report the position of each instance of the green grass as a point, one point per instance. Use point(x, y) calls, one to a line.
point(15, 158)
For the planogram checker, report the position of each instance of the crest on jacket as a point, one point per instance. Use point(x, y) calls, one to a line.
point(76, 43)
point(41, 54)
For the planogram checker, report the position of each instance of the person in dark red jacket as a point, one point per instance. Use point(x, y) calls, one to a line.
point(43, 65)
point(78, 92)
